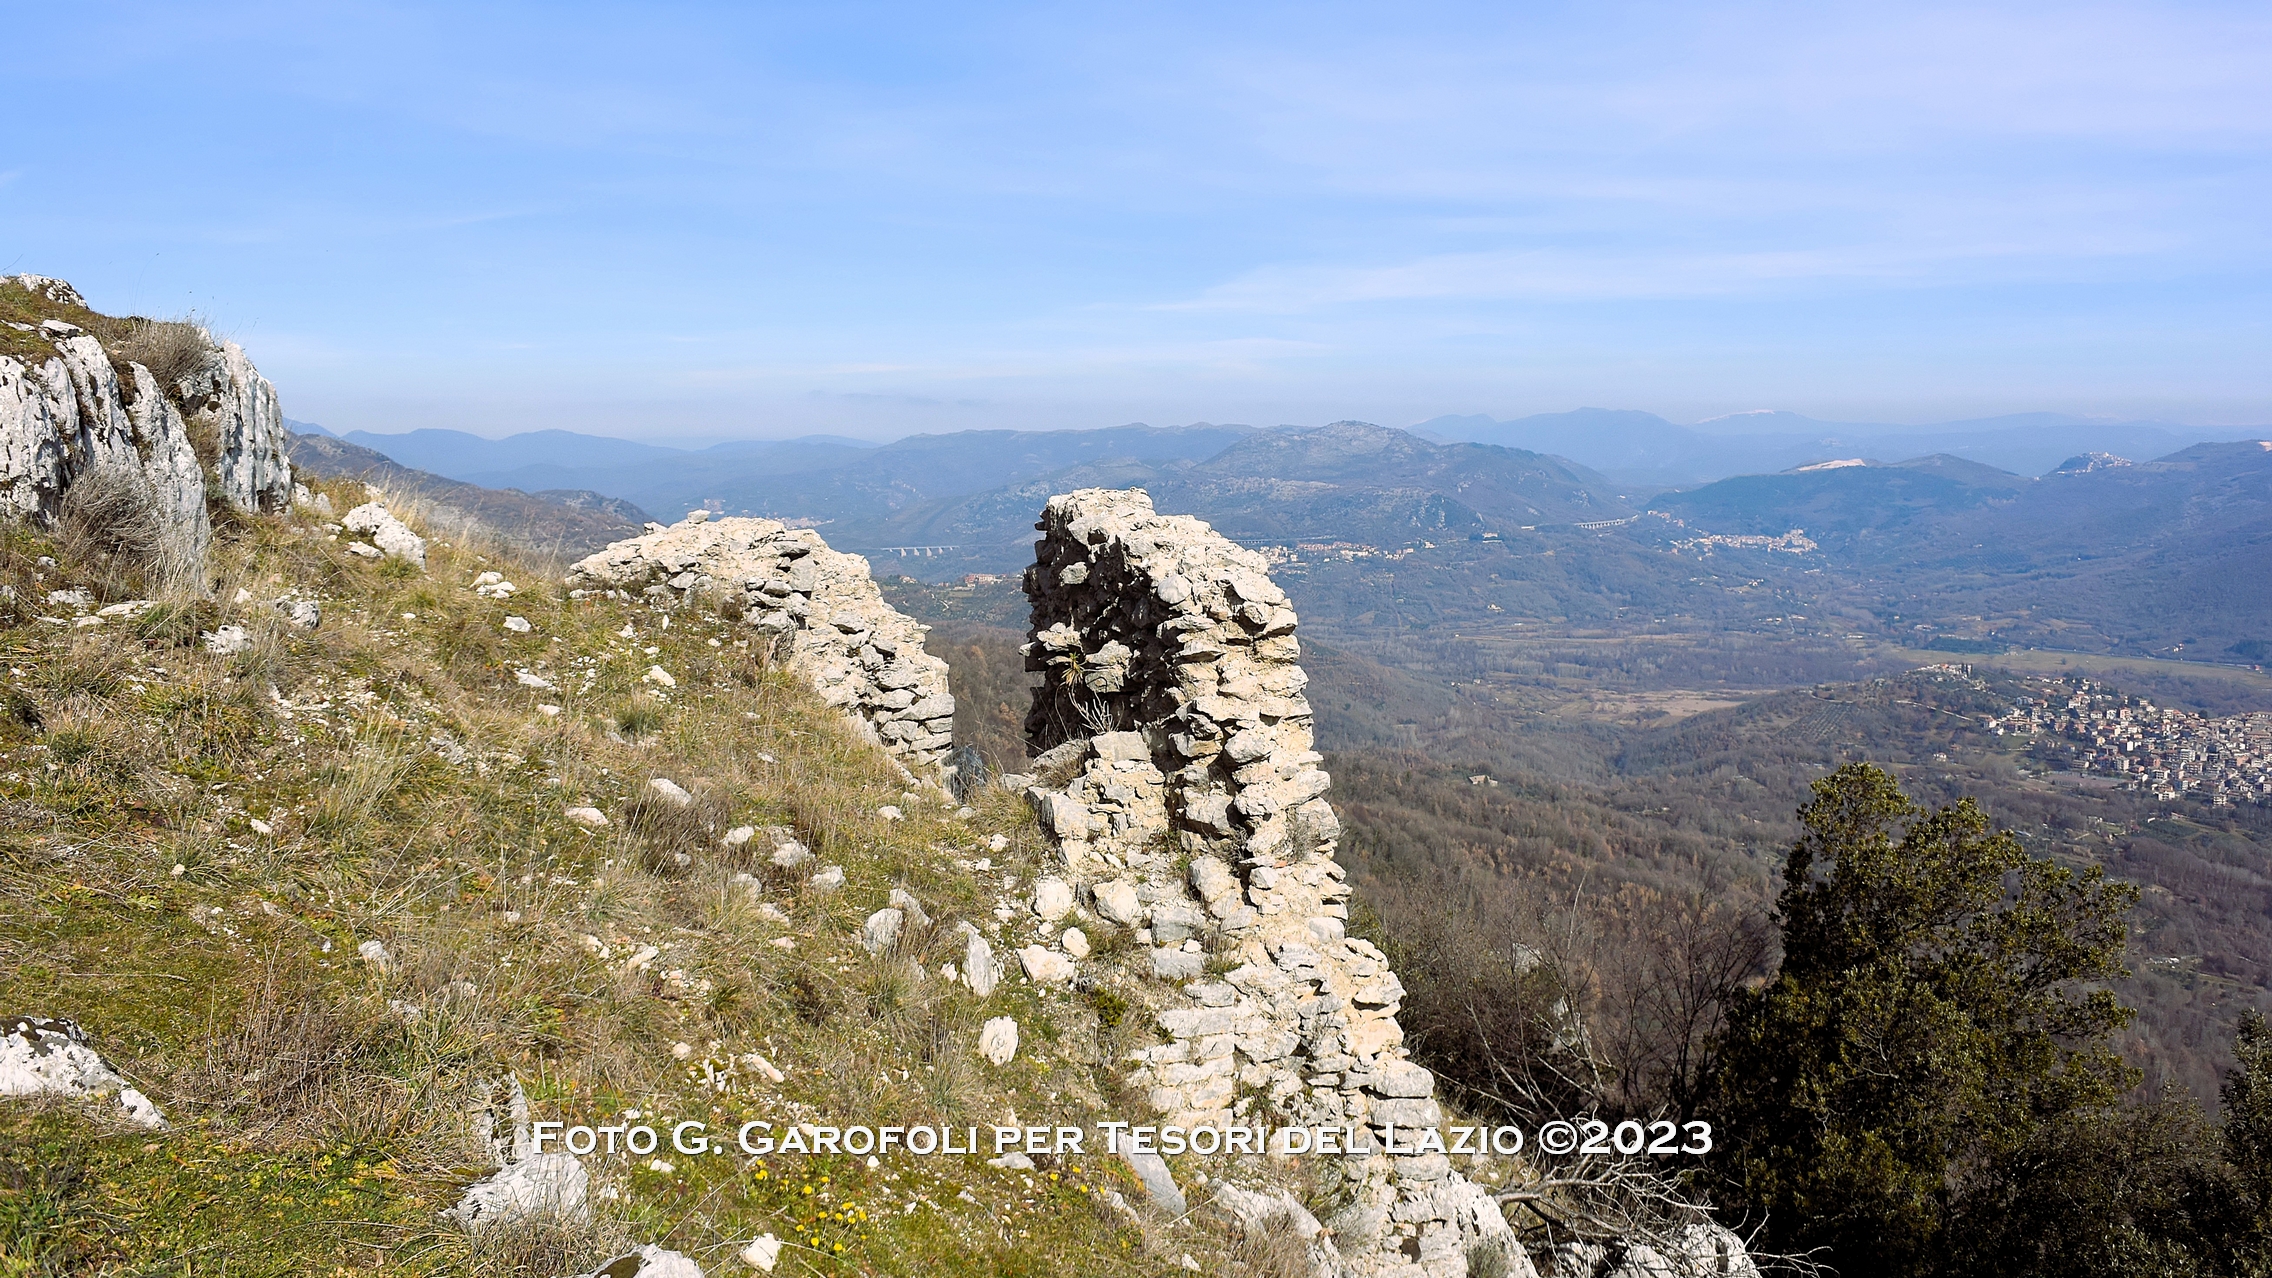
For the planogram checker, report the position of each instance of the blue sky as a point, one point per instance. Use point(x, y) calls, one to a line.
point(685, 221)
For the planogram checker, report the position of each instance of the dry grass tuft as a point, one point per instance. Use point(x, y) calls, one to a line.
point(543, 1247)
point(171, 349)
point(1273, 1248)
point(351, 790)
point(111, 522)
point(292, 1063)
point(667, 835)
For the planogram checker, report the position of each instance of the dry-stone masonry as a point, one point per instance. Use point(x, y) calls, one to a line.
point(863, 656)
point(1176, 774)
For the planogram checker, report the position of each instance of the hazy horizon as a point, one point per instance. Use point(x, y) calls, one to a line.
point(1730, 427)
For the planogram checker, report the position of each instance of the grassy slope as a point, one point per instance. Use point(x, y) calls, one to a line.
point(414, 795)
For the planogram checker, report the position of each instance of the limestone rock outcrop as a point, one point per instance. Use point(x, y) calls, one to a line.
point(229, 397)
point(822, 607)
point(651, 1261)
point(1176, 774)
point(78, 411)
point(528, 1186)
point(73, 415)
point(52, 1057)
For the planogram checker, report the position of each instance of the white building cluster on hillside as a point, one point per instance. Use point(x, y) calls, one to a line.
point(2163, 751)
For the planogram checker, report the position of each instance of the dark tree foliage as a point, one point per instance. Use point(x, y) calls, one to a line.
point(1929, 1016)
point(2247, 1095)
point(2137, 1191)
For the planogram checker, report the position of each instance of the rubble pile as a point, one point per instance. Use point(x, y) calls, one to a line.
point(821, 607)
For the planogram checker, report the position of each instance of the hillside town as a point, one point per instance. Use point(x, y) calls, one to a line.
point(2166, 752)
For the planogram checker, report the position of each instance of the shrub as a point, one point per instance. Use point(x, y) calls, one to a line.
point(111, 522)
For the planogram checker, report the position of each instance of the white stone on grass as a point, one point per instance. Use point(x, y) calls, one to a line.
point(43, 1057)
point(763, 1253)
point(1045, 967)
point(1052, 899)
point(389, 534)
point(881, 931)
point(670, 792)
point(592, 817)
point(537, 1189)
point(980, 971)
point(650, 1261)
point(998, 1041)
point(904, 900)
point(305, 614)
point(1159, 1182)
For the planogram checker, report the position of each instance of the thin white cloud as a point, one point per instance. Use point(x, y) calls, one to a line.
point(1571, 275)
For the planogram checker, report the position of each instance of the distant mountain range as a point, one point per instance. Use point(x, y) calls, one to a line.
point(1644, 449)
point(817, 478)
point(551, 527)
point(2084, 548)
point(1350, 481)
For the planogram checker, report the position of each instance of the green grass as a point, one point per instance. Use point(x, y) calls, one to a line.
point(413, 793)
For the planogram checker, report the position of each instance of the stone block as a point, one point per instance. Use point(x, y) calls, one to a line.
point(1213, 880)
point(1117, 901)
point(1197, 1022)
point(1407, 1112)
point(1402, 1079)
point(1173, 964)
point(1121, 746)
point(1175, 921)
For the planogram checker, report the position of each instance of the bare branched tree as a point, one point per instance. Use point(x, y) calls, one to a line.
point(1536, 1005)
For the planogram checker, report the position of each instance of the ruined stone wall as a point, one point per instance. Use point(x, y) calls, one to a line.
point(862, 655)
point(1177, 776)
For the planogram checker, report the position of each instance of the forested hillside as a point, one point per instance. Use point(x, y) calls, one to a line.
point(1523, 803)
